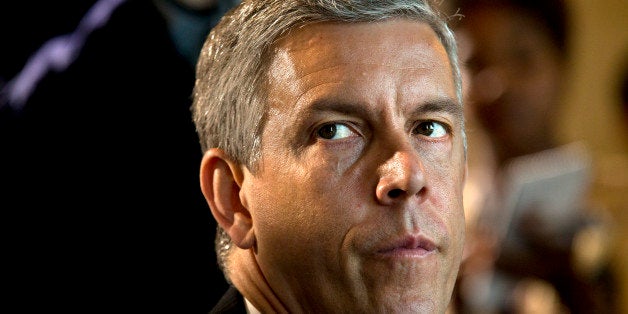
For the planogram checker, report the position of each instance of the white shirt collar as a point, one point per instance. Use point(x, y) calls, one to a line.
point(250, 309)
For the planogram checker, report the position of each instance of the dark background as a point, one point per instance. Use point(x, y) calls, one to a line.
point(101, 205)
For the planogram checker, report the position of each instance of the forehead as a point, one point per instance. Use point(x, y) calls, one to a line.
point(404, 54)
point(339, 43)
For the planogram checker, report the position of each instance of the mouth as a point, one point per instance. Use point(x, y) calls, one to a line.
point(407, 247)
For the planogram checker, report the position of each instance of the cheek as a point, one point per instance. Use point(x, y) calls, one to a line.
point(541, 88)
point(307, 190)
point(446, 178)
point(304, 202)
point(303, 208)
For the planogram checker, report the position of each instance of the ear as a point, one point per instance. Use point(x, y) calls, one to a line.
point(221, 180)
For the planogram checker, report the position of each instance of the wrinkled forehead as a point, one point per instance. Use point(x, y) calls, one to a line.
point(396, 61)
point(339, 42)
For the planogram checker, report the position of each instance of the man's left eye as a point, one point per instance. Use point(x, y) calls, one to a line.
point(334, 131)
point(431, 129)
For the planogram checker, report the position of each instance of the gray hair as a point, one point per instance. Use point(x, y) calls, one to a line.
point(229, 107)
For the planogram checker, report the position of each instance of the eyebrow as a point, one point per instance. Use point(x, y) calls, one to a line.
point(438, 105)
point(441, 105)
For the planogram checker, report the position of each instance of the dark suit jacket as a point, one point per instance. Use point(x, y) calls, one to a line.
point(232, 302)
point(99, 177)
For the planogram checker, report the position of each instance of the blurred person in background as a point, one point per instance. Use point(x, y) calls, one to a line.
point(100, 163)
point(622, 88)
point(529, 249)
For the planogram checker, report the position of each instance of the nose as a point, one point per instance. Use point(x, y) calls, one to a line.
point(401, 177)
point(489, 84)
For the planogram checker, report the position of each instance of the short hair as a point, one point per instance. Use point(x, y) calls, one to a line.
point(229, 105)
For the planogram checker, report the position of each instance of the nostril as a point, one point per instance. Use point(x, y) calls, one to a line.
point(394, 193)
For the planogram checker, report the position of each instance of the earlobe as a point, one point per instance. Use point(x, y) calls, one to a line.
point(221, 179)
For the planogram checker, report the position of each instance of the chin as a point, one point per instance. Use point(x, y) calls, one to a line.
point(413, 306)
point(403, 300)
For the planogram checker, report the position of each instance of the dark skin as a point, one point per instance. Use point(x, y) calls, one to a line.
point(516, 75)
point(516, 72)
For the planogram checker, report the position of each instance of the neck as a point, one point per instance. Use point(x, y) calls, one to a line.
point(247, 277)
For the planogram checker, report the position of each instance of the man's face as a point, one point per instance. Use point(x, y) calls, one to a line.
point(516, 77)
point(357, 203)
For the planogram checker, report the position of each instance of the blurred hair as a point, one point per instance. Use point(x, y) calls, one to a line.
point(622, 87)
point(552, 14)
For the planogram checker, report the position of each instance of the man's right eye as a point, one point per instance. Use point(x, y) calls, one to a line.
point(334, 131)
